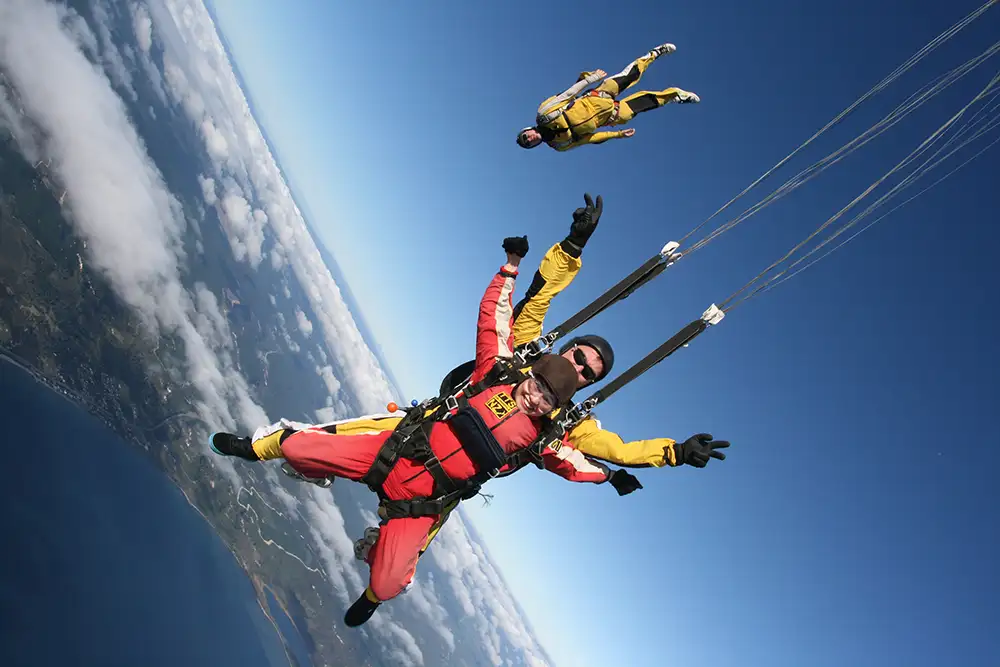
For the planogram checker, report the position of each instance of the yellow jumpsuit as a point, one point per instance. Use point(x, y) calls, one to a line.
point(566, 121)
point(555, 273)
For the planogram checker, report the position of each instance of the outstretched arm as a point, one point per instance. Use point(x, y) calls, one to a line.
point(592, 440)
point(596, 138)
point(573, 466)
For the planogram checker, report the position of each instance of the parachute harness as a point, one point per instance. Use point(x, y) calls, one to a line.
point(411, 440)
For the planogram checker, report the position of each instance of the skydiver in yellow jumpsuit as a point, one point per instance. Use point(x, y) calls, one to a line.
point(571, 119)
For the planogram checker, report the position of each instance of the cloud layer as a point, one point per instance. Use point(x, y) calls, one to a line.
point(70, 94)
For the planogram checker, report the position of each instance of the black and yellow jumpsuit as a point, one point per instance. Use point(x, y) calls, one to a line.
point(566, 121)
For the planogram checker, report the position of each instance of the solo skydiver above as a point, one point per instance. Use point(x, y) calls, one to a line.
point(570, 119)
point(430, 462)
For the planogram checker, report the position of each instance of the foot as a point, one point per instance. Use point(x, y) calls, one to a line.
point(322, 482)
point(363, 546)
point(360, 611)
point(663, 50)
point(227, 444)
point(684, 97)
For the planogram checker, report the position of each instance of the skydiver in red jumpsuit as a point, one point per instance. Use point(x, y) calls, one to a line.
point(513, 413)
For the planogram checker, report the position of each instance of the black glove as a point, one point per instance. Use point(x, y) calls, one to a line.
point(624, 482)
point(585, 221)
point(516, 245)
point(696, 450)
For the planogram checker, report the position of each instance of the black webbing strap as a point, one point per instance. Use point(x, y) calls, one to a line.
point(572, 416)
point(674, 343)
point(653, 267)
point(504, 371)
point(417, 507)
point(633, 281)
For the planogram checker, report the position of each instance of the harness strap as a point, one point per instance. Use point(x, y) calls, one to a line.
point(411, 440)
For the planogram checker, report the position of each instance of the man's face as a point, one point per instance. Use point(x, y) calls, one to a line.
point(533, 137)
point(587, 362)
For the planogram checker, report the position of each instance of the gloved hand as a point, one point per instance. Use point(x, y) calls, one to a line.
point(585, 221)
point(696, 450)
point(624, 482)
point(516, 245)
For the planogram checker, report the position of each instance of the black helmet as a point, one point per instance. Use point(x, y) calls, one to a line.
point(601, 345)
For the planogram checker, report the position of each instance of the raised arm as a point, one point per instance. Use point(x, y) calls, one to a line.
point(494, 337)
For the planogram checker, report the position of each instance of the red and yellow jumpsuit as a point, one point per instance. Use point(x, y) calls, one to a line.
point(316, 452)
point(557, 270)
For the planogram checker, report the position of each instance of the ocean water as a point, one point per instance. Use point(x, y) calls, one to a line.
point(103, 562)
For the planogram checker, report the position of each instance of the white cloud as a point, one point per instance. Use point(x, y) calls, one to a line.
point(116, 200)
point(143, 27)
point(325, 414)
point(200, 78)
point(329, 379)
point(208, 190)
point(112, 58)
point(80, 30)
point(277, 259)
point(481, 592)
point(305, 326)
point(423, 596)
point(215, 142)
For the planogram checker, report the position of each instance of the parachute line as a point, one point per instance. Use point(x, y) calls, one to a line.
point(758, 287)
point(884, 83)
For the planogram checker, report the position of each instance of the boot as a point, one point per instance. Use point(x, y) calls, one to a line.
point(227, 444)
point(684, 97)
point(662, 50)
point(363, 546)
point(362, 609)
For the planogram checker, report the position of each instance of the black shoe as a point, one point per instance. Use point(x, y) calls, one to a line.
point(228, 444)
point(360, 611)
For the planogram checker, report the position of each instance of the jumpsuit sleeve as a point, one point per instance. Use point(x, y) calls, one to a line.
point(554, 274)
point(592, 440)
point(493, 331)
point(595, 138)
point(573, 466)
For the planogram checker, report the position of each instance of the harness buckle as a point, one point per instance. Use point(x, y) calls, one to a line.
point(451, 403)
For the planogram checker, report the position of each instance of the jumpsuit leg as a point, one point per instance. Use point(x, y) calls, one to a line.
point(364, 425)
point(645, 100)
point(393, 559)
point(316, 453)
point(628, 77)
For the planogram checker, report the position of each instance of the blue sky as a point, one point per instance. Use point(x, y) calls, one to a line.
point(855, 519)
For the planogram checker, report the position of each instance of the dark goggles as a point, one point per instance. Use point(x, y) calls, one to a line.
point(581, 360)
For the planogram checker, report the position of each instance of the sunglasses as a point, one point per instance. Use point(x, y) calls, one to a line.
point(581, 360)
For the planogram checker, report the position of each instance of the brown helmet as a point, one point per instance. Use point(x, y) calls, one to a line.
point(558, 374)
